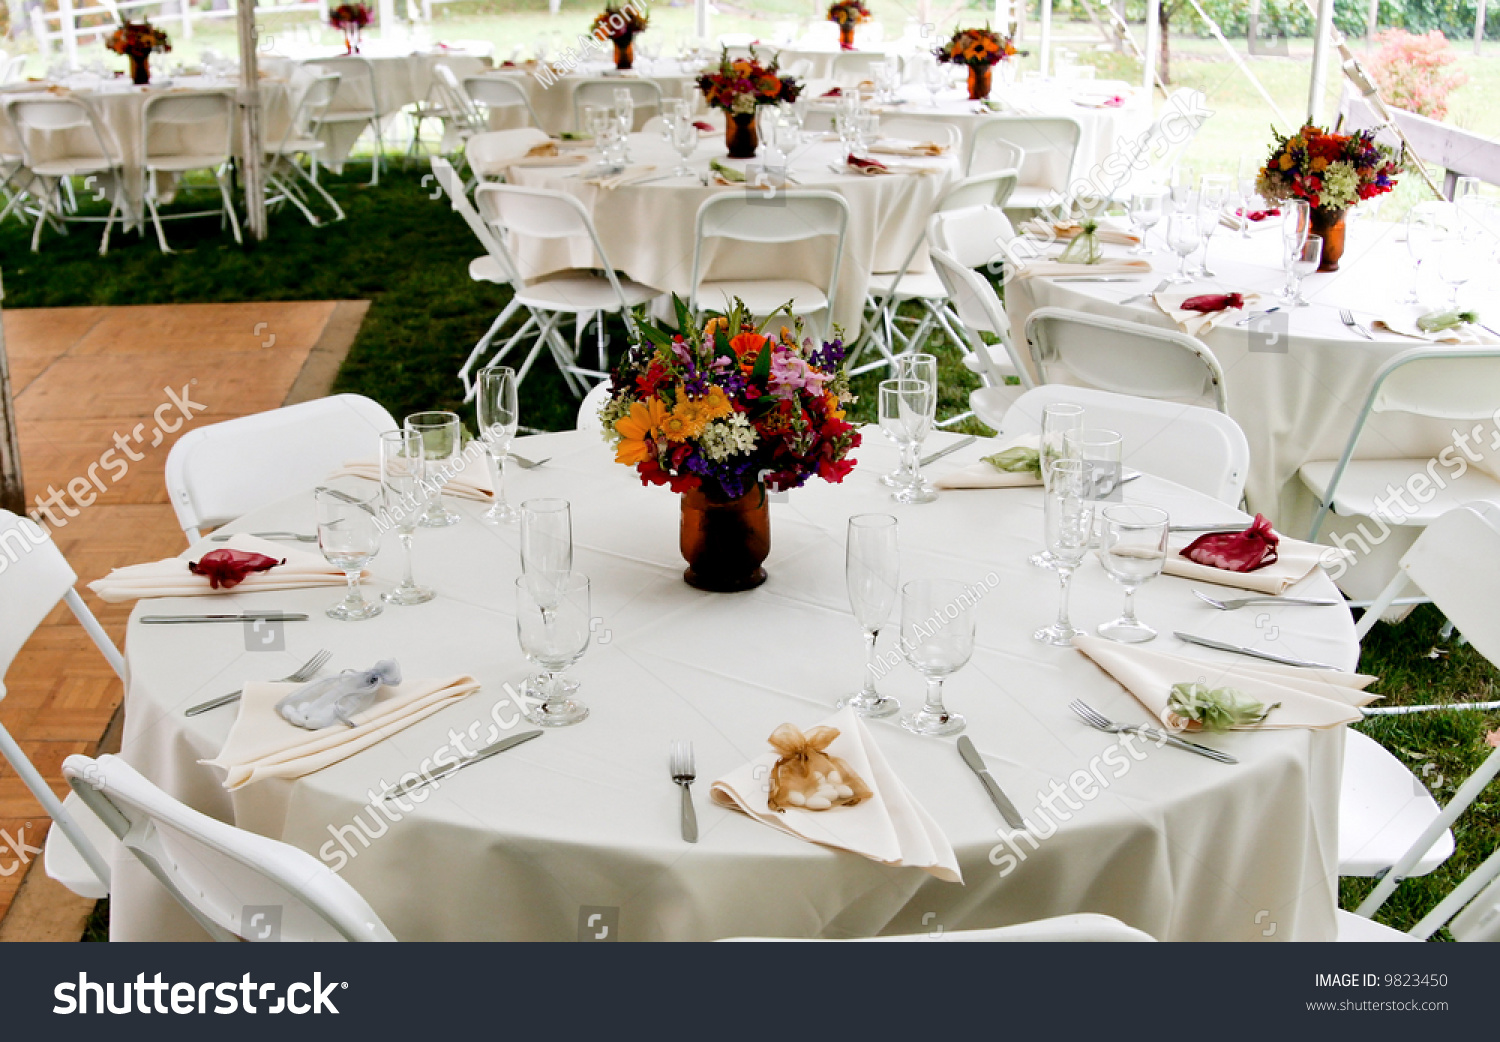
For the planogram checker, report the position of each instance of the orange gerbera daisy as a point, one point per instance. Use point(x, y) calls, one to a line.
point(645, 419)
point(684, 422)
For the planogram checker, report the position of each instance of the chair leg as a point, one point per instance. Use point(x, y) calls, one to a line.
point(541, 340)
point(313, 180)
point(379, 151)
point(291, 196)
point(161, 235)
point(234, 220)
point(109, 223)
point(479, 348)
point(52, 805)
point(36, 232)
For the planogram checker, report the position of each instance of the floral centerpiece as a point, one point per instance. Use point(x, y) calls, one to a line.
point(847, 14)
point(738, 86)
point(620, 25)
point(1331, 172)
point(719, 413)
point(138, 41)
point(351, 19)
point(981, 50)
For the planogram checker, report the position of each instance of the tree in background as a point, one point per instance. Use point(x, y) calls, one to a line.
point(1412, 71)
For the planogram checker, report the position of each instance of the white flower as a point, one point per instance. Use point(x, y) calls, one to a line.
point(727, 437)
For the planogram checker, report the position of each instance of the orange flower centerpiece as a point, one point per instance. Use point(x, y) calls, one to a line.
point(981, 50)
point(138, 41)
point(351, 19)
point(847, 14)
point(721, 412)
point(620, 25)
point(738, 87)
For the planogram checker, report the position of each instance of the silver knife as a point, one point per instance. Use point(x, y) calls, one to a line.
point(221, 537)
point(452, 768)
point(1285, 660)
point(961, 443)
point(264, 616)
point(1222, 526)
point(976, 764)
point(1097, 278)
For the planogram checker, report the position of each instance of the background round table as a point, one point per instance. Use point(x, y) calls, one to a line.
point(586, 816)
point(553, 103)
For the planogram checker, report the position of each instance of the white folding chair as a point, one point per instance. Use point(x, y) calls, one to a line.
point(975, 238)
point(922, 131)
point(449, 104)
point(802, 216)
point(223, 876)
point(356, 102)
point(183, 132)
point(1127, 357)
point(588, 409)
point(580, 293)
point(491, 153)
point(49, 130)
point(1048, 147)
point(855, 67)
point(217, 472)
point(980, 312)
point(645, 97)
point(1448, 383)
point(34, 576)
point(282, 169)
point(1199, 448)
point(500, 92)
point(1081, 927)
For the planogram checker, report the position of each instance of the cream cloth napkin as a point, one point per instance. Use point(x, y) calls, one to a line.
point(1315, 698)
point(1464, 334)
point(1196, 323)
point(1235, 222)
point(570, 159)
point(891, 827)
point(1295, 561)
point(886, 169)
point(171, 578)
point(263, 745)
point(629, 175)
point(1108, 232)
point(986, 475)
point(471, 481)
point(1047, 268)
point(913, 150)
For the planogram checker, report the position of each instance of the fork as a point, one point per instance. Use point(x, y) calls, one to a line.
point(1099, 721)
point(524, 463)
point(308, 670)
point(1240, 602)
point(683, 774)
point(1347, 317)
point(1163, 284)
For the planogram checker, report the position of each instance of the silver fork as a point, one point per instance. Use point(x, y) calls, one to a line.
point(1347, 317)
point(683, 774)
point(1240, 602)
point(524, 463)
point(308, 670)
point(1163, 284)
point(1099, 721)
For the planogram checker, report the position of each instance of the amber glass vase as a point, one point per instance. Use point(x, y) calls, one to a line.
point(624, 52)
point(846, 36)
point(979, 81)
point(1330, 225)
point(724, 542)
point(740, 136)
point(140, 68)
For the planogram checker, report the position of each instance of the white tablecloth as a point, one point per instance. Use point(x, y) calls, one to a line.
point(586, 817)
point(553, 104)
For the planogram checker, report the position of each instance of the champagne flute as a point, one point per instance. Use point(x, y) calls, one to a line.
point(1102, 452)
point(906, 413)
point(554, 636)
point(1213, 193)
point(866, 132)
point(1304, 262)
point(1458, 258)
point(546, 548)
point(933, 79)
point(937, 638)
point(499, 416)
point(1134, 545)
point(442, 449)
point(1069, 521)
point(403, 483)
point(349, 537)
point(872, 570)
point(1184, 238)
point(1057, 420)
point(1145, 213)
point(916, 366)
point(767, 126)
point(685, 141)
point(1296, 225)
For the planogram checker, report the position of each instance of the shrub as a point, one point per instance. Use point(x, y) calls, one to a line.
point(1412, 71)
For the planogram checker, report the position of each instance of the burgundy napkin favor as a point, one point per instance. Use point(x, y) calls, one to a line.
point(1258, 215)
point(707, 128)
point(1245, 551)
point(1208, 302)
point(226, 569)
point(867, 166)
point(836, 92)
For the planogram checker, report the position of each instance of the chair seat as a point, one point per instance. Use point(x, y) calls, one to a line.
point(574, 292)
point(294, 147)
point(1358, 929)
point(1383, 808)
point(178, 164)
point(1030, 197)
point(61, 860)
point(914, 285)
point(349, 116)
point(73, 166)
point(488, 269)
point(763, 296)
point(1365, 481)
point(990, 404)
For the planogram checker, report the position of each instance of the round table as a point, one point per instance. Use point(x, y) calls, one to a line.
point(648, 229)
point(553, 102)
point(586, 817)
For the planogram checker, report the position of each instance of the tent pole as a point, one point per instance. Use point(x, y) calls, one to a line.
point(700, 19)
point(1319, 81)
point(1153, 46)
point(251, 158)
point(1046, 58)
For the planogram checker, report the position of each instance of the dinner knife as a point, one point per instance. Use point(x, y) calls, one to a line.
point(1097, 278)
point(961, 443)
point(976, 764)
point(266, 616)
point(1220, 526)
point(223, 537)
point(480, 754)
point(1285, 660)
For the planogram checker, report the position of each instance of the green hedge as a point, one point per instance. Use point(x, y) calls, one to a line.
point(1454, 18)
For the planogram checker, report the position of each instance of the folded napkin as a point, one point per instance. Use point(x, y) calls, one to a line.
point(554, 158)
point(1314, 698)
point(1240, 220)
point(470, 481)
point(1295, 561)
point(908, 148)
point(891, 827)
point(1051, 268)
point(629, 175)
point(171, 577)
point(986, 475)
point(1107, 231)
point(725, 174)
point(1196, 323)
point(1468, 333)
point(1099, 101)
point(261, 744)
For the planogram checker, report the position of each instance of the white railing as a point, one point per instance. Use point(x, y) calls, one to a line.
point(1461, 153)
point(60, 28)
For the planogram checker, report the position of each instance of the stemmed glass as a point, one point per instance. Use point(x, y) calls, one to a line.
point(906, 413)
point(1058, 419)
point(1212, 196)
point(1134, 545)
point(934, 79)
point(685, 141)
point(403, 483)
point(866, 132)
point(442, 449)
point(546, 548)
point(554, 636)
point(872, 569)
point(671, 109)
point(768, 126)
point(915, 366)
point(1102, 452)
point(1069, 524)
point(1457, 261)
point(499, 416)
point(349, 537)
point(1296, 225)
point(937, 638)
point(1304, 262)
point(1183, 237)
point(1145, 213)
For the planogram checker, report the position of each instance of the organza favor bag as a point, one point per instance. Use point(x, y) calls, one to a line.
point(807, 777)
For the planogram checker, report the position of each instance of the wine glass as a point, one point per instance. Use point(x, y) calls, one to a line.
point(934, 79)
point(915, 366)
point(685, 141)
point(1213, 194)
point(866, 133)
point(1057, 420)
point(1425, 228)
point(404, 488)
point(1304, 262)
point(442, 449)
point(1145, 213)
point(625, 108)
point(671, 109)
point(1458, 259)
point(1069, 523)
point(1468, 204)
point(1134, 545)
point(349, 537)
point(937, 638)
point(1101, 452)
point(872, 569)
point(797, 112)
point(499, 416)
point(767, 126)
point(1184, 238)
point(906, 413)
point(553, 635)
point(546, 547)
point(1296, 225)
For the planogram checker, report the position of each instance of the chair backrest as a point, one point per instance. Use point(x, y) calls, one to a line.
point(975, 238)
point(358, 92)
point(1199, 448)
point(588, 409)
point(910, 128)
point(455, 101)
point(224, 876)
point(453, 186)
point(218, 472)
point(314, 99)
point(1456, 562)
point(979, 311)
point(489, 153)
point(1049, 143)
point(210, 113)
point(1126, 357)
point(53, 116)
point(645, 95)
point(857, 66)
point(500, 92)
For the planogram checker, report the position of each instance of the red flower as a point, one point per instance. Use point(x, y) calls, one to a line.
point(652, 474)
point(226, 569)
